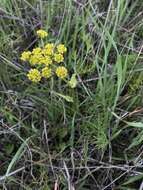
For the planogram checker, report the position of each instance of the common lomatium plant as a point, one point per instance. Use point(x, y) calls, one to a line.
point(46, 61)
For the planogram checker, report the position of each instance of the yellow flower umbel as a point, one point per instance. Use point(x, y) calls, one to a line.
point(42, 33)
point(36, 50)
point(36, 56)
point(58, 57)
point(48, 49)
point(49, 46)
point(61, 48)
point(35, 59)
point(46, 72)
point(46, 60)
point(34, 75)
point(61, 72)
point(25, 55)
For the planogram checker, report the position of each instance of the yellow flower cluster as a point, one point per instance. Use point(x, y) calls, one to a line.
point(61, 72)
point(44, 60)
point(34, 75)
point(25, 55)
point(46, 72)
point(42, 33)
point(58, 57)
point(61, 48)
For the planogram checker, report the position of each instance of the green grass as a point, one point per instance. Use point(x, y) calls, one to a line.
point(94, 142)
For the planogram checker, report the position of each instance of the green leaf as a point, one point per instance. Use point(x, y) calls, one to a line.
point(137, 140)
point(62, 132)
point(73, 81)
point(17, 156)
point(67, 98)
point(135, 124)
point(9, 148)
point(131, 124)
point(119, 74)
point(133, 179)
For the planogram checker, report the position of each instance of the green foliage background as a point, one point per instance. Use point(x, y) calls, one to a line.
point(94, 142)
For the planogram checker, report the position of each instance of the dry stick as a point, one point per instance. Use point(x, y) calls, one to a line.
point(139, 14)
point(10, 63)
point(56, 185)
point(114, 180)
point(50, 159)
point(129, 48)
point(129, 170)
point(70, 186)
point(141, 186)
point(126, 168)
point(138, 158)
point(85, 88)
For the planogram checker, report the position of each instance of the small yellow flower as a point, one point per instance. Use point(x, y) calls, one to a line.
point(36, 50)
point(58, 57)
point(46, 60)
point(48, 49)
point(46, 72)
point(61, 72)
point(34, 75)
point(35, 59)
point(25, 55)
point(48, 52)
point(61, 48)
point(49, 46)
point(42, 33)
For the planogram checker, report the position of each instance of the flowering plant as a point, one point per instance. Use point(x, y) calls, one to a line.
point(46, 61)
